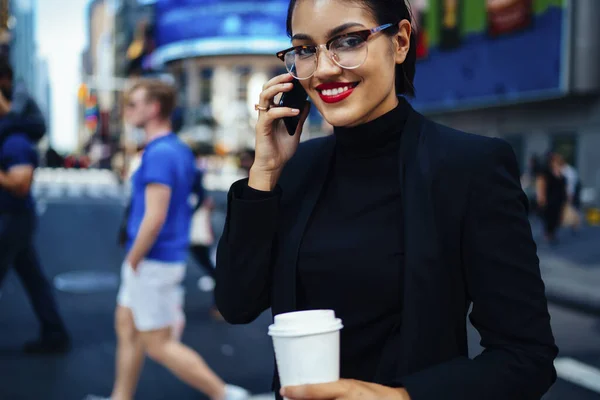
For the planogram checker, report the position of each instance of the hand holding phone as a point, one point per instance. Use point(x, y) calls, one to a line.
point(295, 98)
point(274, 146)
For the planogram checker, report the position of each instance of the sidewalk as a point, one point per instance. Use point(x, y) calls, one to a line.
point(571, 270)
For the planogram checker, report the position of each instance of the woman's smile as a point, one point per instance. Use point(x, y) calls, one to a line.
point(334, 92)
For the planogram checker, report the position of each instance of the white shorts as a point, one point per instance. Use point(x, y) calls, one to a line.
point(154, 295)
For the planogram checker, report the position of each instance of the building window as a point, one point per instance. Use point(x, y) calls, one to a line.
point(565, 144)
point(206, 85)
point(244, 76)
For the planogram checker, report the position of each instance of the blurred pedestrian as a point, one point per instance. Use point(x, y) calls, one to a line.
point(551, 192)
point(20, 112)
point(528, 182)
point(570, 216)
point(149, 318)
point(246, 157)
point(202, 237)
point(18, 219)
point(396, 223)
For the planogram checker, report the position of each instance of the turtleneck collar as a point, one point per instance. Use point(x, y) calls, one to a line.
point(376, 136)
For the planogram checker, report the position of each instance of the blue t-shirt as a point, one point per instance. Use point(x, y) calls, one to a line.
point(170, 162)
point(16, 150)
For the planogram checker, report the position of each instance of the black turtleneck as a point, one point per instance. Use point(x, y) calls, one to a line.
point(351, 254)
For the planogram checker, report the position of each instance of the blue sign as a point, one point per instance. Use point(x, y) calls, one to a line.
point(192, 28)
point(491, 56)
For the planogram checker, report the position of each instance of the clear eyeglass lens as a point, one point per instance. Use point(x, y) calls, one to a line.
point(301, 63)
point(348, 52)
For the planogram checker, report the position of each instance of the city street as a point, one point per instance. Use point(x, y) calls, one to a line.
point(77, 235)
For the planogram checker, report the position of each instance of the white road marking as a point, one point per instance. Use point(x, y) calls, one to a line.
point(265, 396)
point(578, 373)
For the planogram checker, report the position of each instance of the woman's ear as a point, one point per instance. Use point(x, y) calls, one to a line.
point(402, 42)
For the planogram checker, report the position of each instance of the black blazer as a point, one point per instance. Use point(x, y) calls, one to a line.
point(467, 241)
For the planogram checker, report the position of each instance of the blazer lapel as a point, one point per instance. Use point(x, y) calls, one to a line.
point(423, 256)
point(312, 185)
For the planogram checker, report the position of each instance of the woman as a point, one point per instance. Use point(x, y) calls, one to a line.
point(551, 188)
point(396, 223)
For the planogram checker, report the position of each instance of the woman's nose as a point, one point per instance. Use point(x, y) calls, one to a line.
point(326, 67)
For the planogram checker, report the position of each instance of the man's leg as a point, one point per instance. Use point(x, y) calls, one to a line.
point(183, 362)
point(155, 300)
point(130, 356)
point(202, 256)
point(11, 242)
point(54, 334)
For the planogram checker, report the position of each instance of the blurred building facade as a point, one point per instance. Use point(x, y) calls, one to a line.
point(221, 54)
point(98, 104)
point(42, 90)
point(134, 38)
point(23, 48)
point(526, 71)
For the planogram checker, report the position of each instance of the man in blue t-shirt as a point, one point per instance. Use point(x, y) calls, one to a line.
point(18, 159)
point(149, 315)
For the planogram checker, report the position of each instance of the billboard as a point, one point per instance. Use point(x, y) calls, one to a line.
point(474, 53)
point(192, 28)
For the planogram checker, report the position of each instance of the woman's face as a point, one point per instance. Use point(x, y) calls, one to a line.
point(372, 84)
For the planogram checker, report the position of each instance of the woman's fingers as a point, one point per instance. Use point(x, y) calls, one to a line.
point(275, 113)
point(267, 96)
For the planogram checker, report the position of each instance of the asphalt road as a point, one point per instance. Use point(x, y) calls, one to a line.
point(77, 235)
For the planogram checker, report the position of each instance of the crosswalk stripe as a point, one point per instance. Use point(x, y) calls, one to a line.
point(265, 396)
point(578, 373)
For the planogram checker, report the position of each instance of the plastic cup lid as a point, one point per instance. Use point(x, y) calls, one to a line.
point(302, 323)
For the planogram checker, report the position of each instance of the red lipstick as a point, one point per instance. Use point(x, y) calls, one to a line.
point(333, 92)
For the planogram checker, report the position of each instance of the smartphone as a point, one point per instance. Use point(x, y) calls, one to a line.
point(295, 98)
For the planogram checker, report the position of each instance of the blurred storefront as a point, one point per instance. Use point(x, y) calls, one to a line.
point(524, 70)
point(221, 53)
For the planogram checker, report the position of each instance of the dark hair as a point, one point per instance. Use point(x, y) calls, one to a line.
point(6, 70)
point(384, 12)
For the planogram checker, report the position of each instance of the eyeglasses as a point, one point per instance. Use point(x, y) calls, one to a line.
point(348, 51)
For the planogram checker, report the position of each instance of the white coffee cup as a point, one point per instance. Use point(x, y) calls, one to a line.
point(307, 347)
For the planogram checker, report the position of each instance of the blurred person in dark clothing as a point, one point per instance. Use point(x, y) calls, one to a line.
point(53, 159)
point(528, 182)
point(201, 233)
point(246, 160)
point(18, 159)
point(18, 110)
point(551, 191)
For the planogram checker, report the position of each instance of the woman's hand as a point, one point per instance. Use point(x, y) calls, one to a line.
point(346, 389)
point(274, 146)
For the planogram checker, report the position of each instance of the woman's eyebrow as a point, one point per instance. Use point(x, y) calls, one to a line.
point(333, 32)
